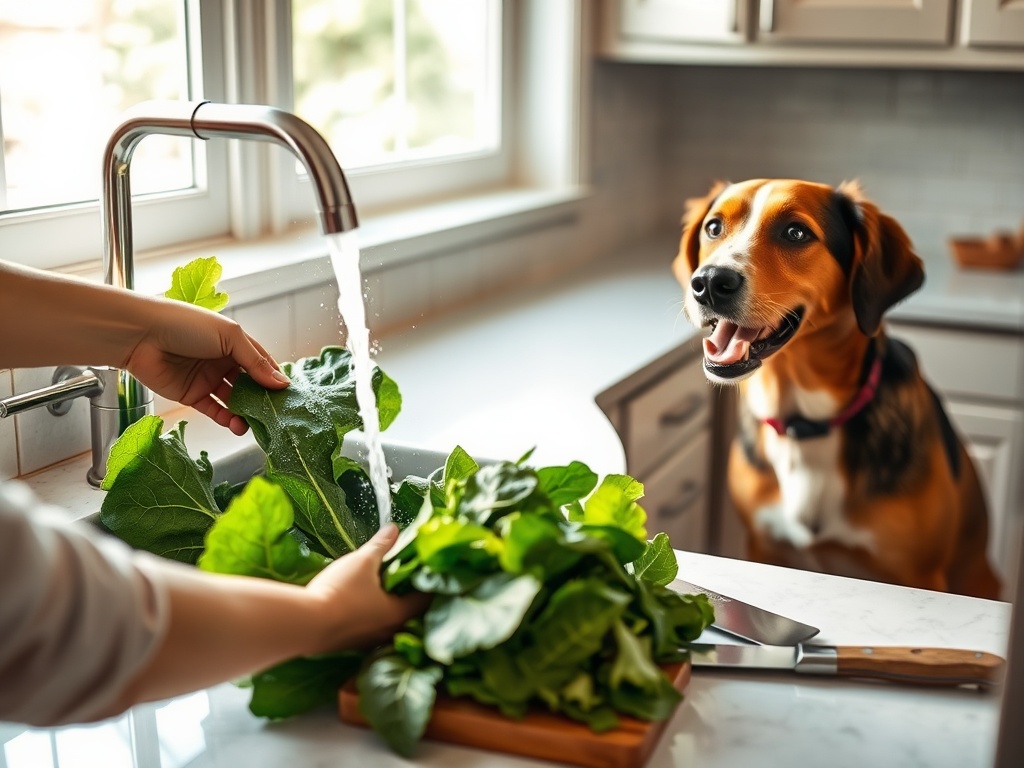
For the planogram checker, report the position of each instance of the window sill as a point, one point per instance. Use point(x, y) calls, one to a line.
point(255, 270)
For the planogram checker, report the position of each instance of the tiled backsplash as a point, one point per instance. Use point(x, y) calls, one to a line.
point(941, 151)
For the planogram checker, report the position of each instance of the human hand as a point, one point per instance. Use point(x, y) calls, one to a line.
point(359, 613)
point(193, 356)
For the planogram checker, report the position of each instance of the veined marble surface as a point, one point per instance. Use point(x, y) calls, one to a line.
point(726, 720)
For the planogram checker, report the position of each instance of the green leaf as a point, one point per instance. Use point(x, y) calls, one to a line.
point(397, 699)
point(301, 684)
point(158, 499)
point(564, 485)
point(633, 663)
point(459, 466)
point(481, 619)
point(299, 428)
point(535, 543)
point(658, 562)
point(495, 490)
point(196, 283)
point(449, 545)
point(252, 538)
point(573, 625)
point(614, 503)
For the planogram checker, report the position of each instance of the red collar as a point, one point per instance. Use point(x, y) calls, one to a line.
point(801, 428)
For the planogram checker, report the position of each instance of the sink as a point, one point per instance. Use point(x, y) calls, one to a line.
point(248, 460)
point(403, 460)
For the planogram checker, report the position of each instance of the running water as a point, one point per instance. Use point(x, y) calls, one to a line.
point(344, 250)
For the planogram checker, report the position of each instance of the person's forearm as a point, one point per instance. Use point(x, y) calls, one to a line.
point(65, 320)
point(224, 627)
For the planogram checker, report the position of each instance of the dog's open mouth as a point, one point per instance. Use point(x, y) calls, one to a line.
point(733, 350)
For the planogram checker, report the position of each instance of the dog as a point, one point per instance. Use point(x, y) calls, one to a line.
point(844, 460)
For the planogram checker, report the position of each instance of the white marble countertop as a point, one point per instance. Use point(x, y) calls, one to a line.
point(726, 720)
point(985, 299)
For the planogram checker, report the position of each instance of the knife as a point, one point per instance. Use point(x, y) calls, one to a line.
point(927, 666)
point(748, 621)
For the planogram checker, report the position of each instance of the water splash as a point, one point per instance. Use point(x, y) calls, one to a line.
point(344, 251)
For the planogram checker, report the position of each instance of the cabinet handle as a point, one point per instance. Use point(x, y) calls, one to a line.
point(683, 413)
point(689, 492)
point(767, 15)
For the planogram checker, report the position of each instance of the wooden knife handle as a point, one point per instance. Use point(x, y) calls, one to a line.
point(928, 666)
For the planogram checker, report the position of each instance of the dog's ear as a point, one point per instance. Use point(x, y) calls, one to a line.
point(689, 246)
point(885, 268)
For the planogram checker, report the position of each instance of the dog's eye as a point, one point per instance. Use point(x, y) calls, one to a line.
point(713, 228)
point(797, 233)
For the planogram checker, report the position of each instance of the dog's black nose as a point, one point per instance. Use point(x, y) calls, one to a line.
point(716, 286)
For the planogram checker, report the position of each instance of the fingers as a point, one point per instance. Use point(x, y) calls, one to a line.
point(379, 544)
point(248, 353)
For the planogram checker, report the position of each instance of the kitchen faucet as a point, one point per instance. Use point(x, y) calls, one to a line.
point(117, 398)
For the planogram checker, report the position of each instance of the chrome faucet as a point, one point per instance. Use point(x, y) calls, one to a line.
point(117, 398)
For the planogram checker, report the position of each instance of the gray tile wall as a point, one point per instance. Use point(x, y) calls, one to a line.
point(942, 152)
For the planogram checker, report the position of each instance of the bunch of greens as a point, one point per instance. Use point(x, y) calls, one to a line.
point(546, 591)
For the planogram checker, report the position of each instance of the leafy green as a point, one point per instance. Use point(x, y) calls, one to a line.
point(301, 428)
point(301, 684)
point(254, 538)
point(158, 498)
point(658, 562)
point(397, 699)
point(195, 283)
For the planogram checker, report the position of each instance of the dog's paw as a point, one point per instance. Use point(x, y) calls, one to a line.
point(775, 524)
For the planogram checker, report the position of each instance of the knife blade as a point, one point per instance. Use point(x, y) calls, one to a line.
point(925, 666)
point(750, 622)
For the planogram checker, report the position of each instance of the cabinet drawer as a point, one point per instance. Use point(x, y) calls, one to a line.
point(660, 418)
point(676, 496)
point(967, 363)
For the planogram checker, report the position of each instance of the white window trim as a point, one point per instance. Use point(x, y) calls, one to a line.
point(52, 238)
point(544, 184)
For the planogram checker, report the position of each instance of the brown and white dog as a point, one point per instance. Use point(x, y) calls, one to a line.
point(844, 461)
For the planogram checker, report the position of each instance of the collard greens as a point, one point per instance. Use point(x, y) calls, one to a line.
point(546, 590)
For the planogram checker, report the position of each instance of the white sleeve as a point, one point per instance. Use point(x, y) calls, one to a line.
point(80, 614)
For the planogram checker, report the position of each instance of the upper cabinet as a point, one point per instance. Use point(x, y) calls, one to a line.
point(914, 22)
point(993, 22)
point(890, 33)
point(694, 20)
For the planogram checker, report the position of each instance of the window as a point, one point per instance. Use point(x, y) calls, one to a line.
point(414, 96)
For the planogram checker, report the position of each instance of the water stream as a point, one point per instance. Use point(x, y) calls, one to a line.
point(344, 250)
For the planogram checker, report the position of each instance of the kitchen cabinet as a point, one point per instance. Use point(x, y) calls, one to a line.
point(957, 34)
point(979, 375)
point(855, 21)
point(993, 22)
point(722, 21)
point(663, 415)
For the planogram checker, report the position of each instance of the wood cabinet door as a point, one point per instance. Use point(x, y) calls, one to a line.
point(993, 22)
point(922, 22)
point(994, 436)
point(723, 21)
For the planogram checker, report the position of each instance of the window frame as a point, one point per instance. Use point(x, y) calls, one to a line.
point(251, 189)
point(58, 236)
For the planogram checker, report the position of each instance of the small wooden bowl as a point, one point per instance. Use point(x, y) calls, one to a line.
point(999, 251)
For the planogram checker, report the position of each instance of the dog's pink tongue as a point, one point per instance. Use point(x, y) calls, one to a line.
point(729, 343)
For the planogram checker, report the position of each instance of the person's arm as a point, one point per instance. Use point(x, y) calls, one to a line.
point(222, 627)
point(88, 627)
point(180, 351)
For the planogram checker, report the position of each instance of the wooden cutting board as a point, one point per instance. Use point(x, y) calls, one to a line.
point(540, 734)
